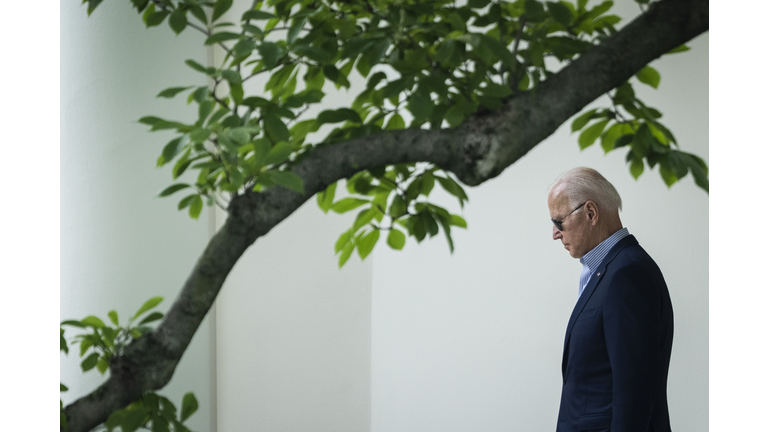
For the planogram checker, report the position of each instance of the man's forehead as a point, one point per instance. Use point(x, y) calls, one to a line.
point(557, 194)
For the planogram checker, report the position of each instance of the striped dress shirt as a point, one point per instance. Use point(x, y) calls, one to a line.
point(593, 258)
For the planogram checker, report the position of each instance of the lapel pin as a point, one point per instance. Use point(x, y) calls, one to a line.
point(598, 274)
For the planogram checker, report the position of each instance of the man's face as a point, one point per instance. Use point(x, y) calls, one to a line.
point(576, 234)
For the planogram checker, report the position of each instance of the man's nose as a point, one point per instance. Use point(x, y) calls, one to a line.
point(556, 234)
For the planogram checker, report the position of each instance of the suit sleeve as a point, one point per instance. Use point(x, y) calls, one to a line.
point(632, 326)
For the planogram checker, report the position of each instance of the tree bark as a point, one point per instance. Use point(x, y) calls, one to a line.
point(475, 151)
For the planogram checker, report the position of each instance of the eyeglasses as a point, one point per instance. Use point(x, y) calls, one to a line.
point(559, 223)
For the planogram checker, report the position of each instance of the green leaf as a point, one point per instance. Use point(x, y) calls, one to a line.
point(429, 222)
point(275, 128)
point(173, 148)
point(198, 12)
point(366, 243)
point(453, 188)
point(92, 4)
point(149, 304)
point(199, 135)
point(650, 76)
point(643, 141)
point(560, 12)
point(445, 51)
point(196, 207)
point(458, 221)
point(232, 76)
point(178, 21)
point(221, 37)
point(420, 105)
point(355, 46)
point(219, 8)
point(173, 189)
point(92, 321)
point(295, 29)
point(154, 316)
point(257, 15)
point(325, 198)
point(196, 66)
point(159, 424)
point(636, 167)
point(346, 252)
point(63, 388)
point(398, 207)
point(395, 122)
point(63, 342)
point(287, 179)
point(150, 120)
point(236, 90)
point(172, 91)
point(278, 154)
point(698, 169)
point(344, 238)
point(588, 137)
point(667, 175)
point(446, 229)
point(102, 366)
point(156, 18)
point(608, 139)
point(457, 22)
point(73, 323)
point(163, 125)
point(582, 120)
point(681, 48)
point(478, 4)
point(186, 201)
point(200, 94)
point(347, 204)
point(534, 11)
point(455, 115)
point(113, 317)
point(339, 115)
point(396, 239)
point(363, 218)
point(133, 419)
point(377, 52)
point(624, 140)
point(188, 405)
point(89, 362)
point(270, 53)
point(86, 343)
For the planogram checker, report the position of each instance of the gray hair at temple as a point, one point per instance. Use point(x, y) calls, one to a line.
point(582, 184)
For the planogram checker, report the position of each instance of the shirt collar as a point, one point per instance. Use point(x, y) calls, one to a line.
point(594, 257)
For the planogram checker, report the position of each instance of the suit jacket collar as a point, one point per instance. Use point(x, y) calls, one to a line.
point(590, 289)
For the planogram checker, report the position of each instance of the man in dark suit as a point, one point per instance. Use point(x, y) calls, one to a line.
point(619, 337)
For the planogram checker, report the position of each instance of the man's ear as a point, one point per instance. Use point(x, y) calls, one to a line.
point(593, 213)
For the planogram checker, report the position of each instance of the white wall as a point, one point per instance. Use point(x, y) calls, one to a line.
point(473, 341)
point(119, 244)
point(293, 331)
point(417, 340)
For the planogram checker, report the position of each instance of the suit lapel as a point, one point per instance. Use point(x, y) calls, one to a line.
point(594, 281)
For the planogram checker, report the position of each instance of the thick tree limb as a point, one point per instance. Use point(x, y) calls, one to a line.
point(476, 151)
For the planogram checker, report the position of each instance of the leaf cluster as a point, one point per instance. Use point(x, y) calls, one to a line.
point(630, 123)
point(153, 412)
point(104, 342)
point(426, 64)
point(392, 200)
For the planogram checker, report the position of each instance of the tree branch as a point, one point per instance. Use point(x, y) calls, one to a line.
point(475, 151)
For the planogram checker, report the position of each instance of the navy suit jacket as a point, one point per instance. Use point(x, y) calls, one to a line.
point(617, 348)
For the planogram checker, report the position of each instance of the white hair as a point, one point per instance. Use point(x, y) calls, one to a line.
point(582, 184)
